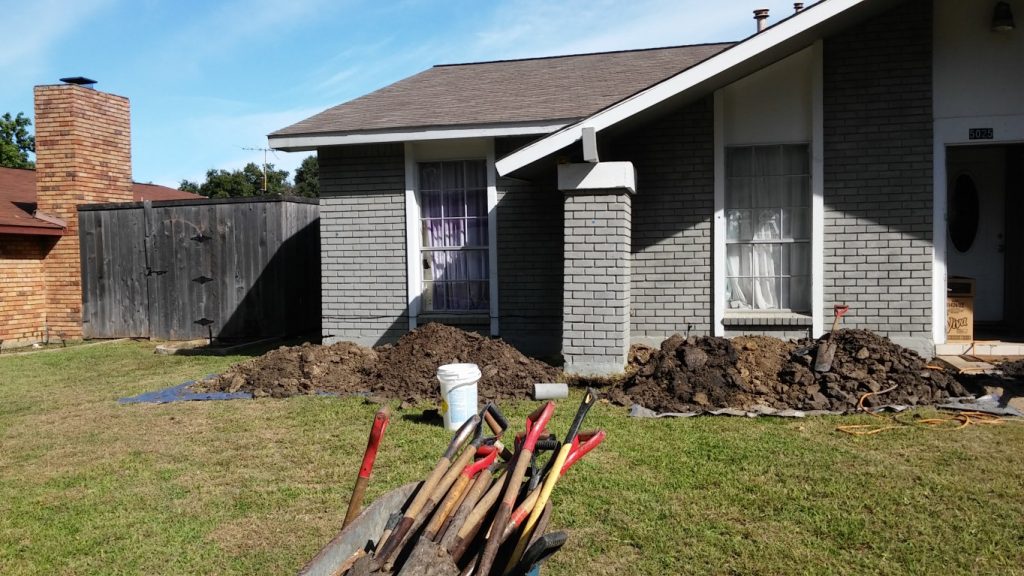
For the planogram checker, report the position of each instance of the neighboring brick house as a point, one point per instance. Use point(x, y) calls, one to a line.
point(577, 204)
point(83, 156)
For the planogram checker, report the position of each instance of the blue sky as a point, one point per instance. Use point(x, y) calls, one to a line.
point(207, 79)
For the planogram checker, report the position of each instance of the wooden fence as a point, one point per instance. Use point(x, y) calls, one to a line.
point(183, 269)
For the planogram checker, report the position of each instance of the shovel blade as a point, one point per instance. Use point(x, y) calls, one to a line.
point(823, 359)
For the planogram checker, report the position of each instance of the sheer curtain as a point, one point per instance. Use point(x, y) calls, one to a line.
point(768, 227)
point(453, 211)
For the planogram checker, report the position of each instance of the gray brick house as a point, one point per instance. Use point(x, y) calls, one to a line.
point(577, 204)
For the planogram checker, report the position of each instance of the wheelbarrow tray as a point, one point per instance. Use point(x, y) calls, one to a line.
point(366, 527)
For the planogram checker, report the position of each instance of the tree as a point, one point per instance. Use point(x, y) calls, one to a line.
point(240, 183)
point(16, 142)
point(307, 178)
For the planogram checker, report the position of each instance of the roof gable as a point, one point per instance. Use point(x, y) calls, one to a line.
point(537, 90)
point(776, 42)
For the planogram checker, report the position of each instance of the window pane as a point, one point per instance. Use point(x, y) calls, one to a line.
point(476, 203)
point(738, 193)
point(768, 160)
point(479, 295)
point(477, 232)
point(476, 264)
point(765, 295)
point(769, 192)
point(739, 225)
point(453, 175)
point(454, 204)
point(739, 161)
point(456, 267)
point(769, 224)
point(476, 175)
point(800, 293)
point(796, 159)
point(431, 200)
point(454, 232)
point(738, 291)
point(430, 176)
point(800, 223)
point(458, 296)
point(800, 259)
point(737, 260)
point(798, 190)
point(433, 233)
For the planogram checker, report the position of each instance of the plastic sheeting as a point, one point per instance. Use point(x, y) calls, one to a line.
point(181, 393)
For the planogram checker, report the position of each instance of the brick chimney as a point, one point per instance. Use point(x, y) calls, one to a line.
point(83, 156)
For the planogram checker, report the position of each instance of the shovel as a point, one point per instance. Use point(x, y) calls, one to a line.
point(827, 348)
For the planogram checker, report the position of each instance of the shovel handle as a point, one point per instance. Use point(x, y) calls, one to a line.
point(380, 422)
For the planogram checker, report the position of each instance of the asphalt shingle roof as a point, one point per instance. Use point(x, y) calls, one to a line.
point(18, 197)
point(508, 91)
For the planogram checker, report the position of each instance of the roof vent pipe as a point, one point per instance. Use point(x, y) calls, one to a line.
point(798, 6)
point(761, 15)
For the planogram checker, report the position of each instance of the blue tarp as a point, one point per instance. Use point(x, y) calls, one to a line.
point(181, 393)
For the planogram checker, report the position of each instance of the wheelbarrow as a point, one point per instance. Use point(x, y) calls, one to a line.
point(368, 526)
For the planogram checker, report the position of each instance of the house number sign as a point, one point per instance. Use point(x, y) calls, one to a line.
point(979, 134)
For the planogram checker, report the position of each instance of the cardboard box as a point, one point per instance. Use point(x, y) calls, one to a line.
point(960, 309)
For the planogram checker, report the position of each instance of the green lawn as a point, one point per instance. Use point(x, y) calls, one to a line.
point(244, 487)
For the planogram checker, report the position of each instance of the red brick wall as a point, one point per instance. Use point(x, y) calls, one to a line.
point(83, 156)
point(22, 293)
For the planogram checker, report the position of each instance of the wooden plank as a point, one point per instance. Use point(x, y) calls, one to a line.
point(967, 366)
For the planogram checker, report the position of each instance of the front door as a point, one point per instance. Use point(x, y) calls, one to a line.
point(975, 224)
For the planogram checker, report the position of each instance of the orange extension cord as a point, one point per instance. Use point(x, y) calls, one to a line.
point(958, 421)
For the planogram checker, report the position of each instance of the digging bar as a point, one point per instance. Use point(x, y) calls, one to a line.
point(355, 504)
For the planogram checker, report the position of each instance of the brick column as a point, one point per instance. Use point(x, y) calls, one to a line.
point(596, 263)
point(83, 156)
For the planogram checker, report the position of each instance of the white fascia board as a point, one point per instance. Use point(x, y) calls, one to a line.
point(679, 83)
point(597, 176)
point(314, 141)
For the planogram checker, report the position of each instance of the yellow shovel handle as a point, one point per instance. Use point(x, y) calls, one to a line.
point(538, 508)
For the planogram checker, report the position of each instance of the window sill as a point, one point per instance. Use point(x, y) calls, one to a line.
point(463, 318)
point(766, 318)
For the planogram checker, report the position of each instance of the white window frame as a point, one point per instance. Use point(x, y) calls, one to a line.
point(817, 206)
point(439, 151)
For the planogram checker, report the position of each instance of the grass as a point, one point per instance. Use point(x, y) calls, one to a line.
point(88, 486)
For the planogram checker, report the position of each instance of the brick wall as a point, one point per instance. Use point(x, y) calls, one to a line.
point(83, 156)
point(22, 293)
point(362, 236)
point(878, 172)
point(529, 261)
point(596, 288)
point(672, 214)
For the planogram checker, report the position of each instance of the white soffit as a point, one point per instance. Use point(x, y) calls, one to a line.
point(775, 37)
point(290, 143)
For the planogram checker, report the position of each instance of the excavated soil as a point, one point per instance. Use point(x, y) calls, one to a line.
point(706, 373)
point(405, 370)
point(684, 374)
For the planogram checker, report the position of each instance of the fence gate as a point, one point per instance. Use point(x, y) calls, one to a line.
point(179, 270)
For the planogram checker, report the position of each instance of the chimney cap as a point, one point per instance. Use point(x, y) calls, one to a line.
point(78, 81)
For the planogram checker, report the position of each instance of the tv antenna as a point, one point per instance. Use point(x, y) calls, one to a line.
point(264, 150)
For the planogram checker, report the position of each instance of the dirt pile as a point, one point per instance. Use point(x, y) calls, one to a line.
point(705, 373)
point(406, 370)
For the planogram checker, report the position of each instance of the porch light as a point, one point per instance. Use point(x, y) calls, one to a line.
point(1002, 18)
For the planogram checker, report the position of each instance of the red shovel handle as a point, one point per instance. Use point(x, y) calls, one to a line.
point(587, 441)
point(380, 422)
point(487, 455)
point(535, 424)
point(840, 310)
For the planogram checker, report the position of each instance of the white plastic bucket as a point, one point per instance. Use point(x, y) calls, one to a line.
point(458, 393)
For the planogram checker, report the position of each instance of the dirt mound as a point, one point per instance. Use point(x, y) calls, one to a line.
point(406, 370)
point(295, 370)
point(701, 373)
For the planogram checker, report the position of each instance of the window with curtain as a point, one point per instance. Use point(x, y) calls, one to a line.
point(768, 228)
point(453, 217)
